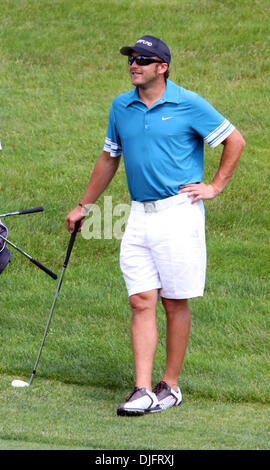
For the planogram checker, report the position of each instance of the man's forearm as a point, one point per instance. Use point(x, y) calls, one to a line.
point(104, 170)
point(102, 174)
point(233, 147)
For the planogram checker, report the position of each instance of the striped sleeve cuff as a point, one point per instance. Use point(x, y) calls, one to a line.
point(219, 134)
point(115, 150)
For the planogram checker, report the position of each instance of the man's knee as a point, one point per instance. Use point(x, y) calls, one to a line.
point(173, 306)
point(143, 301)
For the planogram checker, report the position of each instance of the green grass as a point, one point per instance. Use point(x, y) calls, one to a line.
point(60, 69)
point(52, 415)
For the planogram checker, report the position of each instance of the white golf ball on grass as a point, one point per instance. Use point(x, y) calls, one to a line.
point(19, 383)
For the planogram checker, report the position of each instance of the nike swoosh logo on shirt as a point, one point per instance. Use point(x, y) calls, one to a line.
point(165, 118)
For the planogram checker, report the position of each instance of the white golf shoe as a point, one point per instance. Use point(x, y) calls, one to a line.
point(139, 402)
point(167, 396)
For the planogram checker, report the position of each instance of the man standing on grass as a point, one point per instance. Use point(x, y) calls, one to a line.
point(161, 128)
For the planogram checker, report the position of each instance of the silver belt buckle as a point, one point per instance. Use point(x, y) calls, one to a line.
point(149, 207)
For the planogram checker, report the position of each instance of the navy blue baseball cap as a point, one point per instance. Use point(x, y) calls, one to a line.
point(149, 46)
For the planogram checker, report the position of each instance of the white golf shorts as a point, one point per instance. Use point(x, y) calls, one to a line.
point(164, 248)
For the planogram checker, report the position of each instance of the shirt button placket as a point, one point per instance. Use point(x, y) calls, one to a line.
point(147, 121)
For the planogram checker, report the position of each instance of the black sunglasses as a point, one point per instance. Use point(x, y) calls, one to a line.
point(142, 60)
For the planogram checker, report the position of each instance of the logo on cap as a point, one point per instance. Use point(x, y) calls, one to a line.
point(147, 43)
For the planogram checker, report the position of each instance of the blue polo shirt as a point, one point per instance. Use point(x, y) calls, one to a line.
point(163, 146)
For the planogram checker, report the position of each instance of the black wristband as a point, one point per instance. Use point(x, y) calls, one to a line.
point(80, 204)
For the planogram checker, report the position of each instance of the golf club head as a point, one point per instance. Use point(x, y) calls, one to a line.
point(19, 384)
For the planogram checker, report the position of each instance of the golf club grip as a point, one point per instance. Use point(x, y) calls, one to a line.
point(41, 266)
point(34, 209)
point(71, 243)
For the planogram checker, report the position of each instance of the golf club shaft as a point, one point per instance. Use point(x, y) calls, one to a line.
point(25, 211)
point(68, 253)
point(48, 324)
point(33, 260)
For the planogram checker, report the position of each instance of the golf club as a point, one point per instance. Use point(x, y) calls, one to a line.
point(21, 383)
point(33, 260)
point(25, 211)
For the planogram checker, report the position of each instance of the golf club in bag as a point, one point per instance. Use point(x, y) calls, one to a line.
point(5, 254)
point(5, 257)
point(25, 211)
point(21, 383)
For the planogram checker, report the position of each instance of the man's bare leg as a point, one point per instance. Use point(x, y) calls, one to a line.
point(178, 328)
point(144, 335)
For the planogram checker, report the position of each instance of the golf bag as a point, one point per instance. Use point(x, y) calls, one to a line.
point(5, 254)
